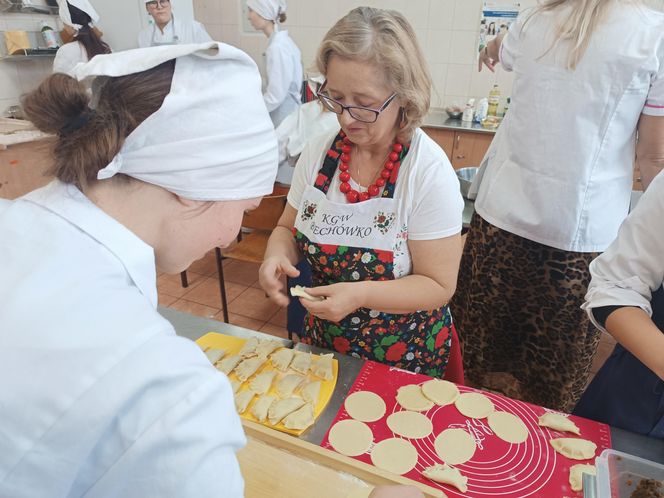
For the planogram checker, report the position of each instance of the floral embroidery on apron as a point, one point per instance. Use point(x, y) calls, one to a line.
point(356, 242)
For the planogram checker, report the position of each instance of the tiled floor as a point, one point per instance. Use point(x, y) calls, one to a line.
point(248, 306)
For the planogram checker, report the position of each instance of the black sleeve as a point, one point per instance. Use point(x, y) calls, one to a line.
point(602, 313)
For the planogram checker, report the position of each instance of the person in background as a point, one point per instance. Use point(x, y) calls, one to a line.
point(626, 299)
point(553, 189)
point(169, 30)
point(99, 396)
point(78, 17)
point(283, 59)
point(374, 207)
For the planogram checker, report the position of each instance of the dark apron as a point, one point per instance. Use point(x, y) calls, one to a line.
point(625, 393)
point(419, 341)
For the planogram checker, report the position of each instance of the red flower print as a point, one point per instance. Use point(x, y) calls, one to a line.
point(396, 351)
point(380, 269)
point(384, 256)
point(381, 331)
point(381, 219)
point(441, 337)
point(341, 344)
point(328, 248)
point(323, 260)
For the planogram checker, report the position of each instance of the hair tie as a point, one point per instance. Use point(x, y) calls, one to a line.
point(78, 122)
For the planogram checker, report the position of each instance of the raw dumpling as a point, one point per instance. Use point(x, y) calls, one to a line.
point(299, 291)
point(235, 385)
point(301, 363)
point(228, 364)
point(282, 359)
point(300, 419)
point(558, 422)
point(267, 346)
point(322, 366)
point(242, 400)
point(214, 355)
point(311, 391)
point(576, 475)
point(262, 382)
point(445, 474)
point(287, 385)
point(577, 449)
point(282, 408)
point(261, 407)
point(249, 367)
point(249, 348)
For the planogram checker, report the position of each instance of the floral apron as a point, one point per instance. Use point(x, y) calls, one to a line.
point(356, 242)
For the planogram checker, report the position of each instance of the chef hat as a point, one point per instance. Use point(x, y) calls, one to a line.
point(84, 5)
point(268, 9)
point(212, 139)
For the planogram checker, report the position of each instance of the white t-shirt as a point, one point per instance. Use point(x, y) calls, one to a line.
point(100, 398)
point(429, 202)
point(68, 56)
point(632, 268)
point(559, 171)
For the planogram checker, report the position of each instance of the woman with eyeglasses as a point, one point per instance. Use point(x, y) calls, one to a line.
point(282, 57)
point(374, 207)
point(169, 30)
point(78, 17)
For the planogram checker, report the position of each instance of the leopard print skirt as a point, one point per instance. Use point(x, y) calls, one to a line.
point(517, 312)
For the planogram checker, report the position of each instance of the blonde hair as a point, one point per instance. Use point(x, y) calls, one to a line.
point(386, 39)
point(585, 16)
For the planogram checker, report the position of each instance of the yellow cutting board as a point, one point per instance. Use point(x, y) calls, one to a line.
point(232, 346)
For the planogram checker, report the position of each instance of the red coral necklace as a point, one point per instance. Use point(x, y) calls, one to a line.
point(353, 195)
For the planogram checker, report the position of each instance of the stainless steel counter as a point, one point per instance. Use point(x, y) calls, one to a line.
point(194, 327)
point(440, 119)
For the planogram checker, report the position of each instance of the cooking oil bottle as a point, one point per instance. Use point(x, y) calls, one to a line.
point(494, 101)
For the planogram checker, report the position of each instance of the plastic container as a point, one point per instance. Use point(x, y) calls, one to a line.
point(469, 111)
point(49, 36)
point(494, 101)
point(618, 474)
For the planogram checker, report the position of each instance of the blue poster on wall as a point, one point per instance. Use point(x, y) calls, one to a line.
point(497, 17)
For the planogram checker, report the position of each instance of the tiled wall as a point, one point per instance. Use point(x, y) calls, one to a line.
point(17, 77)
point(447, 31)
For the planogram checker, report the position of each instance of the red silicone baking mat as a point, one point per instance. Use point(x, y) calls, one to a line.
point(498, 468)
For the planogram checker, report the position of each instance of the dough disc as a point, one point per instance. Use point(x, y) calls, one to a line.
point(365, 406)
point(394, 455)
point(441, 392)
point(455, 446)
point(410, 397)
point(474, 405)
point(350, 437)
point(508, 427)
point(412, 425)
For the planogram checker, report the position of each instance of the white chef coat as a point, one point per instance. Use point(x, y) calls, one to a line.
point(307, 121)
point(429, 205)
point(559, 171)
point(68, 56)
point(100, 398)
point(284, 76)
point(185, 31)
point(632, 268)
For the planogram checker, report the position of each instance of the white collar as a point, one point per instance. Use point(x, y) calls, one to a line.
point(136, 256)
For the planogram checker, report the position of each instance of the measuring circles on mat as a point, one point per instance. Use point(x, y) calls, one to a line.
point(498, 450)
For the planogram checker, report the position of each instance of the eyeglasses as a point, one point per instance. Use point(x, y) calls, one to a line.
point(155, 3)
point(360, 113)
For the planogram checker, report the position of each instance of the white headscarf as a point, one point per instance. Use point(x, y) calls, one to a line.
point(212, 139)
point(84, 5)
point(268, 9)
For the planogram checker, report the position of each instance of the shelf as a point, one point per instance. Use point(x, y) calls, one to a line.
point(21, 7)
